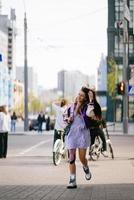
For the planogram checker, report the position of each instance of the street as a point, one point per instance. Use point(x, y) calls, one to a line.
point(28, 171)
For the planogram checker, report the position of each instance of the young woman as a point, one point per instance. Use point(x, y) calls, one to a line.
point(13, 122)
point(95, 117)
point(78, 137)
point(59, 107)
point(4, 128)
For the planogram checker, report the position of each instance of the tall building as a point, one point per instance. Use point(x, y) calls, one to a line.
point(101, 82)
point(32, 79)
point(70, 82)
point(7, 49)
point(3, 66)
point(102, 75)
point(115, 51)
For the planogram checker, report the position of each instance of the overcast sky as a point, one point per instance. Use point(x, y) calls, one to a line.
point(62, 34)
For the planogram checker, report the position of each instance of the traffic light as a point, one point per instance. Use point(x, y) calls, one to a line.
point(121, 88)
point(128, 73)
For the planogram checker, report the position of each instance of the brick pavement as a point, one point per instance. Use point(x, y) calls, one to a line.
point(59, 192)
point(35, 178)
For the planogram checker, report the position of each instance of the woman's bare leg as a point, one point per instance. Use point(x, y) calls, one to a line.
point(82, 156)
point(72, 157)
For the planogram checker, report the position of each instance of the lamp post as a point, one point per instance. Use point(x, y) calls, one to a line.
point(25, 76)
point(126, 18)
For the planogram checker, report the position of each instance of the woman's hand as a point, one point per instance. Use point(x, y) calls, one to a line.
point(70, 119)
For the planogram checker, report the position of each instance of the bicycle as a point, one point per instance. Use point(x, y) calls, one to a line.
point(59, 150)
point(96, 148)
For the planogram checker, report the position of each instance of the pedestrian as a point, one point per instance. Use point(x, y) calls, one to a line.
point(13, 122)
point(59, 107)
point(95, 116)
point(78, 137)
point(40, 119)
point(47, 117)
point(4, 128)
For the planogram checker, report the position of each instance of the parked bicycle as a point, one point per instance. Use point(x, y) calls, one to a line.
point(96, 148)
point(59, 150)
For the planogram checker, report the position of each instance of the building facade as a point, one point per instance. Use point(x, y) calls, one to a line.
point(3, 66)
point(7, 50)
point(70, 82)
point(115, 51)
point(32, 79)
point(101, 83)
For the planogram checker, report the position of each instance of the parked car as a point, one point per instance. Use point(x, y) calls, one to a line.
point(33, 124)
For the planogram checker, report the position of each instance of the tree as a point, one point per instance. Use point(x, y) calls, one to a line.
point(35, 105)
point(112, 77)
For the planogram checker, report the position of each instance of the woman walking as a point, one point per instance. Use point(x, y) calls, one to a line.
point(95, 116)
point(78, 137)
point(4, 128)
point(13, 122)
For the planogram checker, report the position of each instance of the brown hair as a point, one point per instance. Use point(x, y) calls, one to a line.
point(94, 94)
point(63, 102)
point(85, 90)
point(3, 109)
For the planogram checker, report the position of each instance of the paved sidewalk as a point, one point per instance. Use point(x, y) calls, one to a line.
point(114, 129)
point(34, 178)
point(59, 192)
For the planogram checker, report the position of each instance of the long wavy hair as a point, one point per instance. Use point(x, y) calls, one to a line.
point(85, 90)
point(97, 108)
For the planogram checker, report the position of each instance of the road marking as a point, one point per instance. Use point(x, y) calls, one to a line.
point(33, 147)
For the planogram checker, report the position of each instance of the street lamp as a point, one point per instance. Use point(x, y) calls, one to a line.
point(126, 18)
point(25, 76)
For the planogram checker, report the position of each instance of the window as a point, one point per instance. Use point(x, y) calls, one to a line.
point(9, 52)
point(131, 46)
point(10, 40)
point(118, 11)
point(118, 46)
point(9, 46)
point(131, 8)
point(9, 63)
point(9, 57)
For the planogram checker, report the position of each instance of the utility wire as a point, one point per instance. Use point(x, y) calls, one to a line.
point(84, 15)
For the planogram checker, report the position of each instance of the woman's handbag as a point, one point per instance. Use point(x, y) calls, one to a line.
point(67, 129)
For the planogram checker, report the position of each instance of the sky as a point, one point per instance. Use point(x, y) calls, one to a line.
point(62, 34)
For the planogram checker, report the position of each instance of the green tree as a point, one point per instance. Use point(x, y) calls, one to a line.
point(112, 77)
point(35, 105)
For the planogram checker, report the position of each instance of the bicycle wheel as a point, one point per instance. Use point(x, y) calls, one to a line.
point(94, 153)
point(57, 152)
point(110, 148)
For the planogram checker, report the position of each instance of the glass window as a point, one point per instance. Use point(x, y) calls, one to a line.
point(10, 40)
point(118, 47)
point(118, 11)
point(131, 45)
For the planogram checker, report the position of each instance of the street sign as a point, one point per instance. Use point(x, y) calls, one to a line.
point(131, 90)
point(0, 57)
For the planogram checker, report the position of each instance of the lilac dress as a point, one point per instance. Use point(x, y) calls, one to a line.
point(79, 135)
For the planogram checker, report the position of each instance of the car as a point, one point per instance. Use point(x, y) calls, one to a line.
point(33, 124)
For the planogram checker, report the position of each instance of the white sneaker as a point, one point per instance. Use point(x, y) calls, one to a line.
point(72, 184)
point(87, 173)
point(104, 153)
